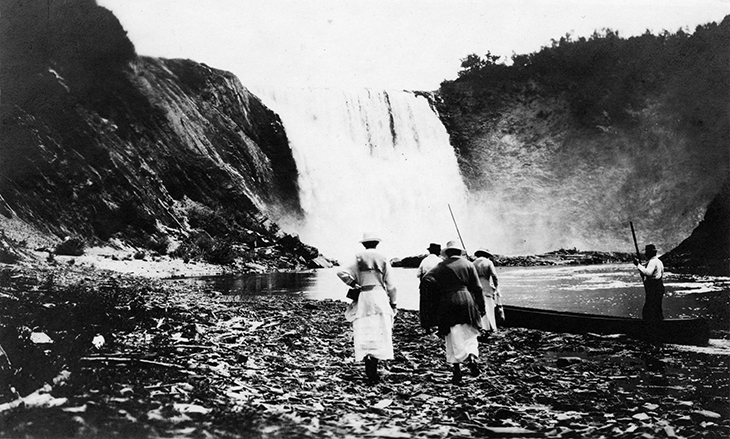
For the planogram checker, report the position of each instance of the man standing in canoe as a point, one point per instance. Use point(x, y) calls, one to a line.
point(653, 284)
point(372, 312)
point(459, 305)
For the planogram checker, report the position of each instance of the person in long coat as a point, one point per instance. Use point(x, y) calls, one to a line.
point(373, 311)
point(456, 288)
point(490, 287)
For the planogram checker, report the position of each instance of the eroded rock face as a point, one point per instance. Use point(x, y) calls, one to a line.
point(581, 187)
point(99, 142)
point(570, 146)
point(707, 250)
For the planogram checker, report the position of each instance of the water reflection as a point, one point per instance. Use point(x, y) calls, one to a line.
point(599, 289)
point(256, 284)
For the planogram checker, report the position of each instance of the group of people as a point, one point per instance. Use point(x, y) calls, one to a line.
point(460, 298)
point(457, 297)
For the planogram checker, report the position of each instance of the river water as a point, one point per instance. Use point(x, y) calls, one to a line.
point(613, 289)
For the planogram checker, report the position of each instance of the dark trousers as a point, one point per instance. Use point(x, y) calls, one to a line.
point(652, 310)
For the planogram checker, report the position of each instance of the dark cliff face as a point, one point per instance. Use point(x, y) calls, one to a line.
point(587, 135)
point(97, 142)
point(707, 249)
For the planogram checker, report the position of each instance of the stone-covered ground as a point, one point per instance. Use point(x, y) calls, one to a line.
point(90, 354)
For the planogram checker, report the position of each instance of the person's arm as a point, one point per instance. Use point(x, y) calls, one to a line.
point(493, 273)
point(389, 287)
point(651, 268)
point(349, 276)
point(475, 288)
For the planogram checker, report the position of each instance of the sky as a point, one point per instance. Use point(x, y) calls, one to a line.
point(382, 44)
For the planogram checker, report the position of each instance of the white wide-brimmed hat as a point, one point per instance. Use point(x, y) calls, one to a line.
point(369, 237)
point(454, 245)
point(483, 250)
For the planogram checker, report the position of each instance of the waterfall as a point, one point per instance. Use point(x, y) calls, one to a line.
point(369, 161)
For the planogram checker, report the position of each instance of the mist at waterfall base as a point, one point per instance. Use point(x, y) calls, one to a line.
point(381, 162)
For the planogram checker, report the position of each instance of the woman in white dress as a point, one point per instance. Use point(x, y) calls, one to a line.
point(373, 311)
point(490, 287)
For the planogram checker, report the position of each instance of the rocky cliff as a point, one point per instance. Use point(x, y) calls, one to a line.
point(707, 249)
point(584, 136)
point(573, 141)
point(100, 143)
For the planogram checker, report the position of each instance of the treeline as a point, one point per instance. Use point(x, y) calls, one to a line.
point(607, 78)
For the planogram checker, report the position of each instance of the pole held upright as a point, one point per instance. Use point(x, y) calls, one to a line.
point(457, 227)
point(636, 245)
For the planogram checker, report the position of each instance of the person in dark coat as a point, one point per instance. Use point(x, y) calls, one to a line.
point(455, 288)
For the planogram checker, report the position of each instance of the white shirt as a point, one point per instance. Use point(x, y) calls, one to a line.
point(654, 268)
point(427, 264)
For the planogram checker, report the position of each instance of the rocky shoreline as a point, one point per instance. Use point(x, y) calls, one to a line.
point(93, 353)
point(557, 257)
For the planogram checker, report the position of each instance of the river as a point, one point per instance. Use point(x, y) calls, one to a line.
point(612, 289)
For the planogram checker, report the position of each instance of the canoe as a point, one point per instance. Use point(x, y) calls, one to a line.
point(693, 331)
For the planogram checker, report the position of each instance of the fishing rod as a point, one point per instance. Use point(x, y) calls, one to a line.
point(457, 227)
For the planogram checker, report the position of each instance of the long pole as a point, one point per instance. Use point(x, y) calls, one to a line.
point(636, 246)
point(457, 227)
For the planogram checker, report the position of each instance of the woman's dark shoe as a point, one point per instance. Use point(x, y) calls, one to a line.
point(473, 366)
point(456, 378)
point(371, 368)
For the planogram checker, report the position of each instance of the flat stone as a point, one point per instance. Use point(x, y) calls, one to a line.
point(706, 414)
point(510, 431)
point(40, 338)
point(567, 361)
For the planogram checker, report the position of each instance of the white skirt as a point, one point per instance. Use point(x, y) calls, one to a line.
point(489, 321)
point(460, 342)
point(374, 336)
point(372, 325)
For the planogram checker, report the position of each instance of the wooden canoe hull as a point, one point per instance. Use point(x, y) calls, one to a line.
point(679, 331)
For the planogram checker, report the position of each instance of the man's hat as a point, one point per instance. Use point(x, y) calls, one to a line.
point(454, 245)
point(483, 251)
point(369, 237)
point(650, 248)
point(433, 247)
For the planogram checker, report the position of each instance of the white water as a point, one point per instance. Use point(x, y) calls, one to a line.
point(372, 161)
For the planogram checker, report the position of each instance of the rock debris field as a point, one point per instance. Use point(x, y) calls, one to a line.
point(90, 353)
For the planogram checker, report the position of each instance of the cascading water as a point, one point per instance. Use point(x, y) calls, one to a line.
point(370, 161)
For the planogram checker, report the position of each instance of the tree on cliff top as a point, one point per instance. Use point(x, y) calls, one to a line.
point(609, 76)
point(474, 64)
